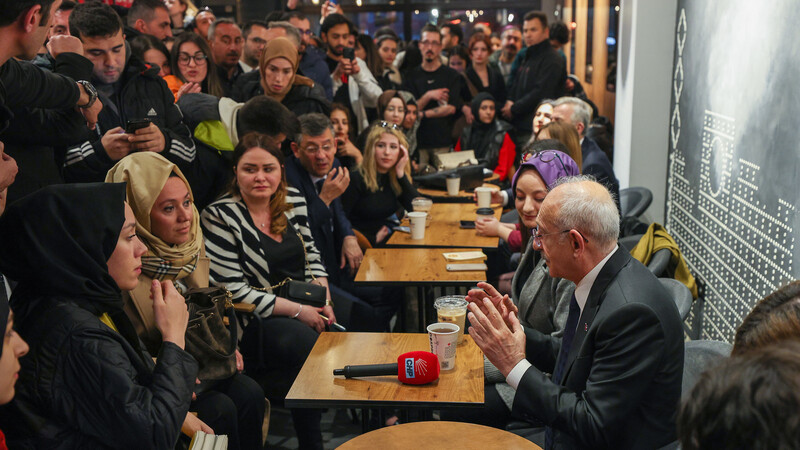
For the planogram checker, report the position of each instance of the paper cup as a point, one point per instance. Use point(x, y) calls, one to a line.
point(417, 220)
point(453, 184)
point(444, 340)
point(484, 195)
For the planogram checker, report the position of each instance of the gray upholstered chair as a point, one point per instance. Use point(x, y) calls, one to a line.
point(634, 201)
point(680, 294)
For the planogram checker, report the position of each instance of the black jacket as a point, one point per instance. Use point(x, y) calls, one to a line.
point(300, 99)
point(622, 381)
point(141, 94)
point(541, 75)
point(596, 163)
point(84, 384)
point(36, 132)
point(491, 152)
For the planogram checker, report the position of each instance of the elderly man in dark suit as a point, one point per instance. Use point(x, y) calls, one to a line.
point(616, 373)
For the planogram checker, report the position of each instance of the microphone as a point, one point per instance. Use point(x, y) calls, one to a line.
point(411, 368)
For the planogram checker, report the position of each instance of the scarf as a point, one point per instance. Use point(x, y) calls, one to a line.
point(281, 48)
point(146, 174)
point(482, 133)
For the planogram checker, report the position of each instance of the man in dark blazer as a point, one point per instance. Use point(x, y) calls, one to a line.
point(574, 111)
point(314, 170)
point(617, 371)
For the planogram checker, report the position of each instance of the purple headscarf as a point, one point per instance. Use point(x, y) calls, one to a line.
point(551, 165)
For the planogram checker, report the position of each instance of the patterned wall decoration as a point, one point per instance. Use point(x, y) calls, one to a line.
point(732, 193)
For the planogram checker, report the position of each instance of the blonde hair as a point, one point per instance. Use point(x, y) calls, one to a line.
point(368, 167)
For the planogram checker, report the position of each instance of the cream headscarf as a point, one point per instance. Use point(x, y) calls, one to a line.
point(146, 173)
point(282, 48)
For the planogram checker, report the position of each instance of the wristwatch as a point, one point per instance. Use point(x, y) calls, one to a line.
point(91, 91)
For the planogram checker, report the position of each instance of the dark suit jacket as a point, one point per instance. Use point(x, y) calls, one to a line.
point(622, 383)
point(329, 225)
point(596, 164)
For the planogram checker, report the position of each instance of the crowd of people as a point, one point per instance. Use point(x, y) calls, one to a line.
point(153, 149)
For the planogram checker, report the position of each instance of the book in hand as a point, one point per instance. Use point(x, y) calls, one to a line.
point(205, 441)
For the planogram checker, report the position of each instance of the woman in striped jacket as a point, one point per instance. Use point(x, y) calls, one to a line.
point(256, 236)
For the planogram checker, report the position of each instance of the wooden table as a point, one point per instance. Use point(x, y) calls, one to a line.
point(440, 196)
point(415, 267)
point(445, 229)
point(438, 435)
point(317, 387)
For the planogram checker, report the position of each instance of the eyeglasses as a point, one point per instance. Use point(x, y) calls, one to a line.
point(385, 124)
point(537, 238)
point(545, 156)
point(306, 32)
point(198, 58)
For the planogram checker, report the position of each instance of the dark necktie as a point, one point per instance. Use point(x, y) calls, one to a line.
point(319, 184)
point(561, 362)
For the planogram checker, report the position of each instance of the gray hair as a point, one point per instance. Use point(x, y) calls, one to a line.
point(212, 30)
point(313, 124)
point(292, 33)
point(594, 216)
point(581, 111)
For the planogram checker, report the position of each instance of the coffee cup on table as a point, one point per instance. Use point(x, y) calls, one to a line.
point(452, 309)
point(483, 214)
point(453, 184)
point(417, 222)
point(443, 338)
point(484, 195)
point(423, 204)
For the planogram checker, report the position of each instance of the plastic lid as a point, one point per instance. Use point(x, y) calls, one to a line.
point(453, 175)
point(485, 212)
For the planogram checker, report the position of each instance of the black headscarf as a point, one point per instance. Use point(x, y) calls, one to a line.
point(56, 242)
point(482, 133)
point(4, 313)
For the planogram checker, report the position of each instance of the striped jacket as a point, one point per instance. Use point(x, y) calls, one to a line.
point(238, 260)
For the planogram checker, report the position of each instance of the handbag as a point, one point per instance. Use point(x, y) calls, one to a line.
point(208, 339)
point(300, 291)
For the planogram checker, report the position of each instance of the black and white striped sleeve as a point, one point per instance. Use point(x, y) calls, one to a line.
point(235, 260)
point(298, 217)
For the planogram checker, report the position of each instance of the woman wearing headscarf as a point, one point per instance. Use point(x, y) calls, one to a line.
point(86, 382)
point(277, 78)
point(542, 301)
point(168, 224)
point(488, 137)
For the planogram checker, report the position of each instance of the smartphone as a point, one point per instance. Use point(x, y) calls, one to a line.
point(465, 267)
point(136, 124)
point(333, 2)
point(468, 224)
point(349, 53)
point(403, 229)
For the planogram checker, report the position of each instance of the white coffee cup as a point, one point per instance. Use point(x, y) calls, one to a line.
point(417, 220)
point(453, 185)
point(443, 337)
point(484, 197)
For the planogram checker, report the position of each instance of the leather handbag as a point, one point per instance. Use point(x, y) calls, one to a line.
point(208, 339)
point(300, 291)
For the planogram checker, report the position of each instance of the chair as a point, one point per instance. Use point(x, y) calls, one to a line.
point(659, 262)
point(628, 242)
point(698, 357)
point(634, 201)
point(680, 294)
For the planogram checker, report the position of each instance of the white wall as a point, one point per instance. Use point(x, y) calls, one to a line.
point(644, 83)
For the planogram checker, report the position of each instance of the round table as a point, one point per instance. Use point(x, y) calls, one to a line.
point(438, 434)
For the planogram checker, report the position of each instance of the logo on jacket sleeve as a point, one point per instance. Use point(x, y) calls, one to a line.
point(152, 113)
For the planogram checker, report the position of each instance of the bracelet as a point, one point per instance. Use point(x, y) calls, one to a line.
point(329, 302)
point(298, 312)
